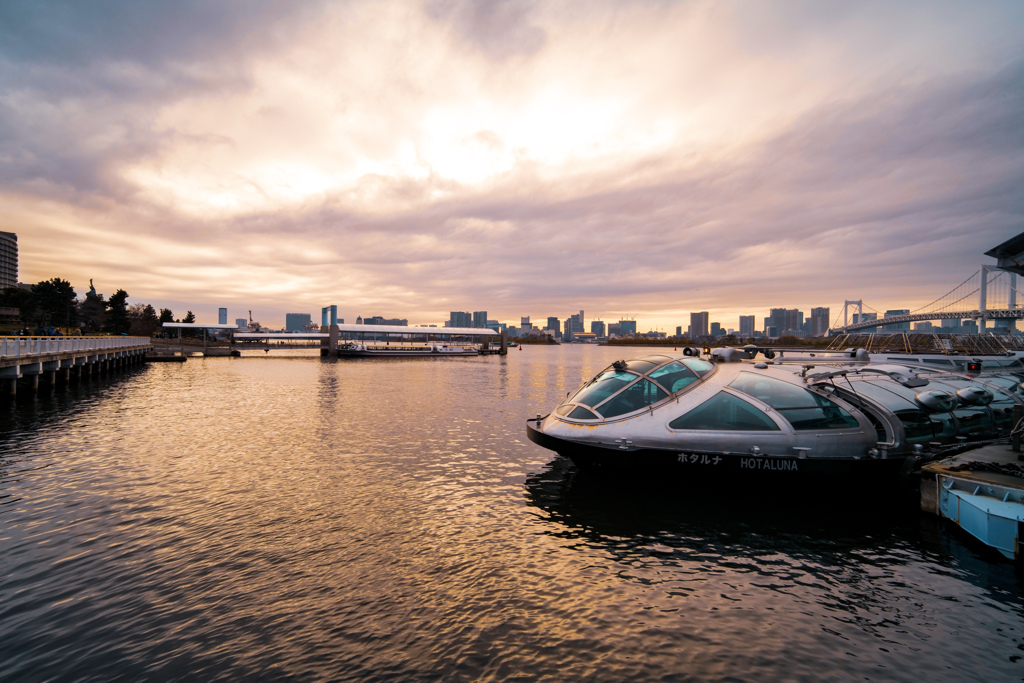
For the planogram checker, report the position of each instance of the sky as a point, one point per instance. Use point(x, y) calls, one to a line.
point(640, 159)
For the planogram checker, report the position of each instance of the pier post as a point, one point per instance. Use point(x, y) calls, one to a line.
point(30, 383)
point(324, 349)
point(332, 339)
point(504, 343)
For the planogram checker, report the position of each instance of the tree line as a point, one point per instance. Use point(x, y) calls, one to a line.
point(52, 305)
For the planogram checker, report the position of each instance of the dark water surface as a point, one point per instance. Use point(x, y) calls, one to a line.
point(297, 518)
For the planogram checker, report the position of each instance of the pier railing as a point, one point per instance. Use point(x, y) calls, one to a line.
point(18, 347)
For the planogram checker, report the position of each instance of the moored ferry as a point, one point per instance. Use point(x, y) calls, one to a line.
point(398, 350)
point(833, 416)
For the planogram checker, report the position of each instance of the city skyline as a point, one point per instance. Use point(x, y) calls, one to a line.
point(412, 158)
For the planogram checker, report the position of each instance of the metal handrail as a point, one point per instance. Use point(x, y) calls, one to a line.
point(18, 347)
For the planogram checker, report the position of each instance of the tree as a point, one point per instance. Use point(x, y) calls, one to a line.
point(58, 305)
point(22, 299)
point(190, 317)
point(117, 313)
point(166, 316)
point(144, 322)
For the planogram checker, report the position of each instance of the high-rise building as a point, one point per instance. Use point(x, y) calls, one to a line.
point(819, 322)
point(574, 323)
point(524, 324)
point(897, 327)
point(864, 317)
point(614, 329)
point(222, 316)
point(627, 327)
point(381, 320)
point(479, 318)
point(241, 323)
point(698, 324)
point(8, 259)
point(461, 319)
point(716, 330)
point(786, 320)
point(296, 322)
point(597, 327)
point(746, 326)
point(555, 326)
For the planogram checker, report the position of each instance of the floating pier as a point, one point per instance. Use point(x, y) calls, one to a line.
point(982, 492)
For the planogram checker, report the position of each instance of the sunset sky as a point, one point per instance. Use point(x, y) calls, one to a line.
point(407, 159)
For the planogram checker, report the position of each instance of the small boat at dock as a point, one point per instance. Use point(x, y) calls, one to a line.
point(833, 417)
point(360, 349)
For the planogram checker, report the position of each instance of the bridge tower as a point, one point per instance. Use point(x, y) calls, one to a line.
point(860, 311)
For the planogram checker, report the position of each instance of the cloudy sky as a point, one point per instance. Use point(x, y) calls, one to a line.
point(407, 159)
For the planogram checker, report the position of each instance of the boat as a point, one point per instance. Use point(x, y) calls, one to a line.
point(366, 349)
point(835, 417)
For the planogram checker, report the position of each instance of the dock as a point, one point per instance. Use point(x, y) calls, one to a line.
point(982, 492)
point(31, 364)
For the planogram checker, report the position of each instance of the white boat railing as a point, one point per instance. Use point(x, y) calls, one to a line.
point(22, 347)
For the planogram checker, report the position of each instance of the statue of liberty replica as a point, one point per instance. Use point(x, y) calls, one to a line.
point(93, 311)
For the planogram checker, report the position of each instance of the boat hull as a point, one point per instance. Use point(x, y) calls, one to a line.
point(407, 353)
point(732, 467)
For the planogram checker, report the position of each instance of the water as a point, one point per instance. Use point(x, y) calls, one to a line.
point(306, 519)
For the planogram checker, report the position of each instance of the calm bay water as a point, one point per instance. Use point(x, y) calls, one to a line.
point(296, 518)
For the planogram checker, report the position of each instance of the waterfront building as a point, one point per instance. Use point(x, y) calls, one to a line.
point(479, 319)
point(614, 330)
point(627, 327)
point(296, 322)
point(381, 320)
point(925, 327)
point(574, 324)
point(896, 327)
point(597, 327)
point(460, 319)
point(241, 323)
point(554, 326)
point(525, 325)
point(698, 324)
point(8, 259)
point(864, 317)
point(786, 320)
point(819, 322)
point(746, 326)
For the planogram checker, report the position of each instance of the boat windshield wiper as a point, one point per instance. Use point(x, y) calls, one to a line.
point(897, 373)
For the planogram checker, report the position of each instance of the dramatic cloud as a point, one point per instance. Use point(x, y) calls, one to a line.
point(525, 158)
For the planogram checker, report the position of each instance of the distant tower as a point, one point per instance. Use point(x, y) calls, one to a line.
point(222, 316)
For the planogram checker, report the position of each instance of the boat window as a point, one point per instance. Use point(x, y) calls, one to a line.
point(633, 397)
point(917, 423)
point(674, 377)
point(564, 409)
point(603, 386)
point(805, 410)
point(725, 412)
point(581, 413)
point(938, 361)
point(701, 367)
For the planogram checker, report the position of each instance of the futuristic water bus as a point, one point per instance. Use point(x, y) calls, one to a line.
point(831, 415)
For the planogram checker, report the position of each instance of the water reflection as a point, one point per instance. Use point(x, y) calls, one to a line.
point(298, 517)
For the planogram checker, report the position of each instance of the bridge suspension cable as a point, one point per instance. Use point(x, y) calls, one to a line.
point(927, 307)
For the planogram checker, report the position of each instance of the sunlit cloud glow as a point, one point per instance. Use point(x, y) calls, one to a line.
point(410, 158)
